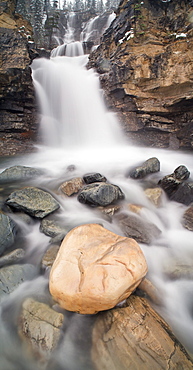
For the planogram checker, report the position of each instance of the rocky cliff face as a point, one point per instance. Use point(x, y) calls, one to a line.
point(17, 107)
point(145, 61)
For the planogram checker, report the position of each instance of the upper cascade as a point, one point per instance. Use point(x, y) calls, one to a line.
point(73, 49)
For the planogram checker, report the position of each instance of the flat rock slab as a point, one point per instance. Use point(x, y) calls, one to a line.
point(40, 328)
point(95, 269)
point(7, 232)
point(36, 202)
point(19, 173)
point(136, 337)
point(12, 276)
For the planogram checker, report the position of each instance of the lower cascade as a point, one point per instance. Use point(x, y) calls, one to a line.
point(88, 188)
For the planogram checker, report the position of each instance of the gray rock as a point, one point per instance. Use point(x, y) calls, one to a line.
point(19, 173)
point(12, 276)
point(13, 257)
point(135, 227)
point(183, 194)
point(187, 220)
point(181, 173)
point(100, 194)
point(34, 201)
point(7, 232)
point(89, 178)
point(40, 328)
point(150, 166)
point(52, 228)
point(175, 187)
point(49, 257)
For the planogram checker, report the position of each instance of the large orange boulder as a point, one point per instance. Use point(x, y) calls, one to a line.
point(95, 269)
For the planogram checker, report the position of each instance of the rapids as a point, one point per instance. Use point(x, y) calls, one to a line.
point(79, 135)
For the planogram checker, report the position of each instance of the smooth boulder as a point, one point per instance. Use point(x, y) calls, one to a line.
point(95, 269)
point(100, 194)
point(150, 166)
point(36, 202)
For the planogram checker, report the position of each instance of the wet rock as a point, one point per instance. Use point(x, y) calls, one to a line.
point(110, 210)
point(52, 228)
point(12, 276)
point(19, 173)
point(155, 195)
point(136, 337)
point(40, 328)
point(183, 194)
point(95, 269)
point(135, 227)
point(72, 186)
point(135, 208)
point(94, 177)
point(187, 220)
point(7, 232)
point(34, 201)
point(175, 270)
point(175, 187)
point(50, 256)
point(169, 184)
point(13, 257)
point(150, 166)
point(181, 173)
point(100, 194)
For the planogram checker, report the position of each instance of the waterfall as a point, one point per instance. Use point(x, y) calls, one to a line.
point(79, 135)
point(72, 109)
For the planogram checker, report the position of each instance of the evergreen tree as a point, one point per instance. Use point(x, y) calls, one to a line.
point(52, 22)
point(37, 16)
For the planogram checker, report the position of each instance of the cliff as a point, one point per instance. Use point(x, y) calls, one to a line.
point(17, 105)
point(145, 61)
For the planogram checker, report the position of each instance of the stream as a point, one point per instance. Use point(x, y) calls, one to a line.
point(78, 136)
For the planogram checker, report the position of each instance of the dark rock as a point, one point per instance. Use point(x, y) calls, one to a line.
point(150, 166)
point(19, 173)
point(34, 201)
point(100, 194)
point(183, 194)
point(7, 232)
point(94, 177)
point(175, 187)
point(187, 220)
point(12, 276)
point(52, 228)
point(18, 114)
point(135, 227)
point(181, 173)
point(169, 184)
point(13, 257)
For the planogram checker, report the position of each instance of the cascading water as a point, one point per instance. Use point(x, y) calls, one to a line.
point(77, 130)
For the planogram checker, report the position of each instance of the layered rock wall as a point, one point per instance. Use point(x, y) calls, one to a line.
point(145, 61)
point(18, 122)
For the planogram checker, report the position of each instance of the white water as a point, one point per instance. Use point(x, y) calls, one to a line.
point(77, 130)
